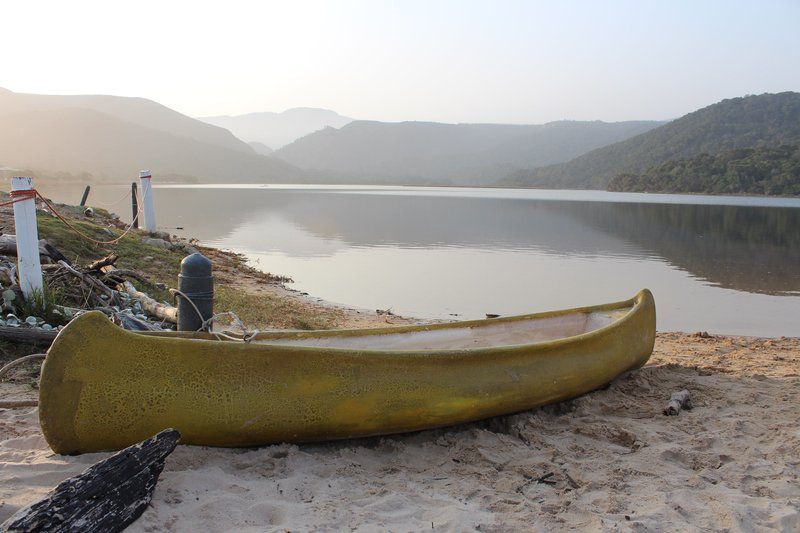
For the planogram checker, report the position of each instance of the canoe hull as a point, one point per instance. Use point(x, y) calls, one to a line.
point(104, 388)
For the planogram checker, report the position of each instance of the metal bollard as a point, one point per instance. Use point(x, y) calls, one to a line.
point(197, 283)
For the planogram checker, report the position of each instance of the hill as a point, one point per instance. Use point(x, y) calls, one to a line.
point(261, 148)
point(81, 143)
point(765, 170)
point(746, 122)
point(278, 129)
point(459, 154)
point(138, 111)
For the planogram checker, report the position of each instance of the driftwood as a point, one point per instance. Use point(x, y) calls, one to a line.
point(27, 335)
point(8, 245)
point(92, 282)
point(108, 496)
point(132, 323)
point(108, 260)
point(679, 400)
point(54, 254)
point(157, 309)
point(118, 274)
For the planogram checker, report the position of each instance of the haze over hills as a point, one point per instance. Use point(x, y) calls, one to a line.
point(138, 111)
point(261, 148)
point(745, 122)
point(108, 137)
point(278, 129)
point(459, 154)
point(112, 138)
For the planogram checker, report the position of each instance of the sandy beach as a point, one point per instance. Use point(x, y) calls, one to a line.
point(607, 460)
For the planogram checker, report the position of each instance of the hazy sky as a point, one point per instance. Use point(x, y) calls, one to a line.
point(454, 61)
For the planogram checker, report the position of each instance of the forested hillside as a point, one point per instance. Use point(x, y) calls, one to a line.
point(747, 122)
point(765, 170)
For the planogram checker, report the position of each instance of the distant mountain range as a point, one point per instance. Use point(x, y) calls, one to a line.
point(746, 122)
point(111, 137)
point(275, 130)
point(456, 154)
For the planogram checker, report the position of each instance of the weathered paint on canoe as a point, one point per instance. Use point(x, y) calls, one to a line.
point(104, 388)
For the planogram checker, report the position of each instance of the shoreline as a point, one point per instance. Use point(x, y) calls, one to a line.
point(608, 459)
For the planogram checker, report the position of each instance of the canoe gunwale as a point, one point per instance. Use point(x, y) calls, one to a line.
point(633, 304)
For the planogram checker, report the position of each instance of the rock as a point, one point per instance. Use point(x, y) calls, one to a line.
point(161, 235)
point(189, 249)
point(158, 243)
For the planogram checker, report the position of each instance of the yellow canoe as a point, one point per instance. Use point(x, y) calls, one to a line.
point(104, 388)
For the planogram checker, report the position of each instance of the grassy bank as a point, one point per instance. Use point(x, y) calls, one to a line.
point(257, 297)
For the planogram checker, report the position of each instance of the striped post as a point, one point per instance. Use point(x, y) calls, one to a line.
point(29, 264)
point(149, 207)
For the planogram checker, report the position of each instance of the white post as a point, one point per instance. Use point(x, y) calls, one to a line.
point(149, 207)
point(30, 267)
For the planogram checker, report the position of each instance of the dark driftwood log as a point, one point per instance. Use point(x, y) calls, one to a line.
point(108, 496)
point(119, 274)
point(679, 400)
point(55, 254)
point(32, 336)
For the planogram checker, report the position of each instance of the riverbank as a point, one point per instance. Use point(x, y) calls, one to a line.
point(606, 460)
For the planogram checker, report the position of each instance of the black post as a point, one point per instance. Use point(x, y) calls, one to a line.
point(196, 282)
point(85, 196)
point(134, 206)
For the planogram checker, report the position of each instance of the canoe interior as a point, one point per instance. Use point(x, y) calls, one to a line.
point(488, 334)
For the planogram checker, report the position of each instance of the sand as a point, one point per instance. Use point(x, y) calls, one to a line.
point(607, 460)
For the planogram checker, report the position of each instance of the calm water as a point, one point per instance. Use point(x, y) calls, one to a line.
point(722, 264)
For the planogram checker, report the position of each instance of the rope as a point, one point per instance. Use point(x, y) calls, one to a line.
point(31, 194)
point(185, 296)
point(11, 404)
point(112, 204)
point(247, 335)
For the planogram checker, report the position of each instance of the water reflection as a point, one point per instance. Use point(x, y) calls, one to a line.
point(745, 248)
point(472, 253)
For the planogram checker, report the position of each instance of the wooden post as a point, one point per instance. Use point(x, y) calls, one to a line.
point(30, 267)
point(147, 200)
point(85, 195)
point(134, 206)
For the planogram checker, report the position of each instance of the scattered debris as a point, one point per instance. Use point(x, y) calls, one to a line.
point(702, 335)
point(98, 286)
point(385, 311)
point(679, 400)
